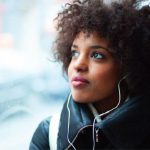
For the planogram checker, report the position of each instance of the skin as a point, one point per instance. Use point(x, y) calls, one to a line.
point(93, 73)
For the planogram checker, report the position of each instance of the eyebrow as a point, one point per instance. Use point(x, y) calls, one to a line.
point(74, 46)
point(98, 47)
point(92, 47)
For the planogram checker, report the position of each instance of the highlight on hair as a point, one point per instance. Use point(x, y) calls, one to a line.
point(123, 23)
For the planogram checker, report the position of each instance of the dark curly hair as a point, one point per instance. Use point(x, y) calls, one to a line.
point(125, 24)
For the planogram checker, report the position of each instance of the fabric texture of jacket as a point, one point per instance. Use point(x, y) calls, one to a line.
point(128, 127)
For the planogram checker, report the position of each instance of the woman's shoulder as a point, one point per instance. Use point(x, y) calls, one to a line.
point(40, 139)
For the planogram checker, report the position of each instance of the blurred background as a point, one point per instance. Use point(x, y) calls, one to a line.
point(31, 86)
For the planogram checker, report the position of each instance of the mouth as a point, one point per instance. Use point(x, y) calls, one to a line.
point(79, 81)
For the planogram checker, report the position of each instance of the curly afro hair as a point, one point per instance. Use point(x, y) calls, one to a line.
point(125, 24)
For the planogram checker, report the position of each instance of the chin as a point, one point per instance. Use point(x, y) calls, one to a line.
point(80, 99)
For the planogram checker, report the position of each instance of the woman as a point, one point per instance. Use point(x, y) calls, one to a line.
point(105, 50)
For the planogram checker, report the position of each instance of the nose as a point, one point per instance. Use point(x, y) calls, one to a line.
point(81, 64)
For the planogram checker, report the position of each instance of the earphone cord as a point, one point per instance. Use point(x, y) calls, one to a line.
point(119, 101)
point(96, 118)
point(69, 121)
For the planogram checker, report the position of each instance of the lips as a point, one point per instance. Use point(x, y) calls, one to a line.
point(79, 81)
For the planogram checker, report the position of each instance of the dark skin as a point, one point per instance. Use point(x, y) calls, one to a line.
point(93, 72)
point(125, 27)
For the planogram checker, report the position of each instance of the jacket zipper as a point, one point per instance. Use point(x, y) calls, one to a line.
point(77, 136)
point(97, 137)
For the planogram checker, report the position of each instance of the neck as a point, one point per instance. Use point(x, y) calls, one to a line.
point(106, 104)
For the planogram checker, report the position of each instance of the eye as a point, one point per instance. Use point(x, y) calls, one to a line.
point(97, 55)
point(74, 53)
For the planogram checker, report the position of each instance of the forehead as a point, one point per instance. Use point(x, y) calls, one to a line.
point(90, 38)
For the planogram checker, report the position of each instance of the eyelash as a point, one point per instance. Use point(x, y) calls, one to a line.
point(75, 53)
point(96, 54)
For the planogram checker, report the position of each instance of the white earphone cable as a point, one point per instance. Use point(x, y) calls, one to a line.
point(97, 118)
point(119, 101)
point(69, 122)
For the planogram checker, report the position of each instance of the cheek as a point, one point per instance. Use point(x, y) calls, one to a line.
point(69, 71)
point(107, 75)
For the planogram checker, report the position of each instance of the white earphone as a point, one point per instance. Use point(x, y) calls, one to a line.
point(69, 98)
point(97, 118)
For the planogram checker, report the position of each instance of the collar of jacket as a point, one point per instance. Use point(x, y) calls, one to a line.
point(80, 117)
point(126, 127)
point(129, 125)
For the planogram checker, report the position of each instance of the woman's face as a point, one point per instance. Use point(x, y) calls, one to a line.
point(93, 72)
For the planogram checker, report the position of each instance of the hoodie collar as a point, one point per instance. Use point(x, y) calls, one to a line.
point(80, 117)
point(128, 125)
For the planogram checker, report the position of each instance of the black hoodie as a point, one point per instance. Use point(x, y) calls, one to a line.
point(128, 127)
